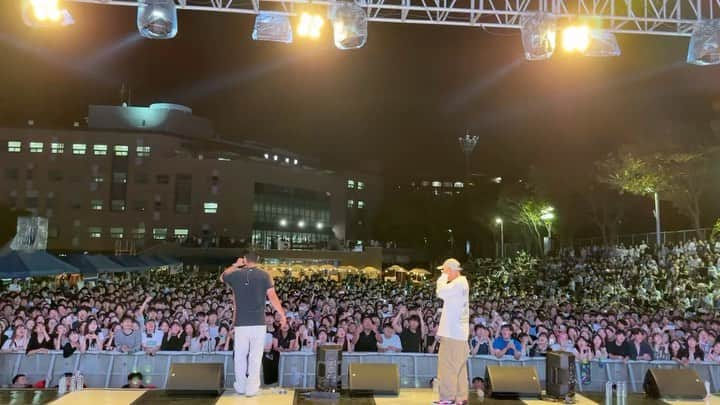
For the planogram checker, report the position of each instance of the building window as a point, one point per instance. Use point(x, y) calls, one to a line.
point(55, 175)
point(181, 233)
point(159, 233)
point(162, 179)
point(12, 174)
point(436, 184)
point(57, 148)
point(100, 150)
point(79, 148)
point(141, 178)
point(143, 151)
point(95, 232)
point(14, 146)
point(121, 150)
point(210, 207)
point(360, 185)
point(31, 203)
point(117, 205)
point(98, 179)
point(139, 206)
point(361, 204)
point(351, 184)
point(117, 233)
point(458, 184)
point(351, 204)
point(119, 177)
point(182, 208)
point(36, 147)
point(96, 205)
point(138, 233)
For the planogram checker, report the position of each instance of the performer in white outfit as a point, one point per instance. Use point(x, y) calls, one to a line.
point(453, 333)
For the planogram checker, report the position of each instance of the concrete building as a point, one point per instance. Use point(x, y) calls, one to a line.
point(136, 176)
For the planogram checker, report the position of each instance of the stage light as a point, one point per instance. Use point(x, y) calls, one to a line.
point(295, 162)
point(267, 156)
point(45, 13)
point(310, 25)
point(275, 158)
point(272, 27)
point(283, 223)
point(576, 38)
point(603, 43)
point(301, 224)
point(704, 48)
point(539, 32)
point(349, 25)
point(319, 226)
point(157, 19)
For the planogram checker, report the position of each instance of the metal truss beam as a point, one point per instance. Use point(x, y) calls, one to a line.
point(654, 17)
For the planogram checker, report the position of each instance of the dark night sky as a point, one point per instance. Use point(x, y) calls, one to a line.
point(399, 103)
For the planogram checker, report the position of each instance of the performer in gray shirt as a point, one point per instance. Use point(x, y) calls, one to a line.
point(250, 286)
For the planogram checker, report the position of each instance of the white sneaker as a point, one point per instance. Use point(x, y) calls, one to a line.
point(238, 390)
point(252, 394)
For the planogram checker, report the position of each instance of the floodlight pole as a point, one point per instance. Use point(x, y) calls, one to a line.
point(467, 146)
point(657, 220)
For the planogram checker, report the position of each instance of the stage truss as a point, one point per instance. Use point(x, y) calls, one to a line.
point(655, 17)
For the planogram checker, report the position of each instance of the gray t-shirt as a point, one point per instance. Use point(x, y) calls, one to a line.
point(250, 287)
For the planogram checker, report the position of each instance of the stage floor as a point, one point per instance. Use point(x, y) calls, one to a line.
point(267, 397)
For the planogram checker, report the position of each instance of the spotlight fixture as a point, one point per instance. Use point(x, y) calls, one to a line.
point(283, 223)
point(349, 25)
point(603, 43)
point(157, 19)
point(295, 162)
point(267, 156)
point(272, 27)
point(704, 48)
point(539, 32)
point(301, 224)
point(576, 38)
point(310, 25)
point(287, 160)
point(590, 42)
point(275, 158)
point(319, 226)
point(45, 13)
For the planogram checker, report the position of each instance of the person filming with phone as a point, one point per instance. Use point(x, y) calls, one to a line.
point(250, 286)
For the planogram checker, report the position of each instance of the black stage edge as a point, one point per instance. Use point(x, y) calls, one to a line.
point(164, 397)
point(345, 399)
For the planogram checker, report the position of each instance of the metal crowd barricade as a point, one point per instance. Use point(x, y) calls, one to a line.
point(297, 369)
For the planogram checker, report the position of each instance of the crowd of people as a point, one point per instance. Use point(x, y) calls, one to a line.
point(628, 303)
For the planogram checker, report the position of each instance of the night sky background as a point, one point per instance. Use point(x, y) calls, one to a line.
point(397, 105)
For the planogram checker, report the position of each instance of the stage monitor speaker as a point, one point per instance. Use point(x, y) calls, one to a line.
point(512, 382)
point(375, 378)
point(674, 383)
point(560, 375)
point(196, 378)
point(328, 370)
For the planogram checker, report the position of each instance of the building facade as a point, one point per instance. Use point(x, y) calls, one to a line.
point(144, 175)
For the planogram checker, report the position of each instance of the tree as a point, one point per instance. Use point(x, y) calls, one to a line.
point(525, 209)
point(687, 173)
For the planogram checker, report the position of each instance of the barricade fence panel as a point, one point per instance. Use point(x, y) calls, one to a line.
point(297, 370)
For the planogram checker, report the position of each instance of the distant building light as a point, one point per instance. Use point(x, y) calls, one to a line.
point(497, 180)
point(436, 184)
point(447, 184)
point(267, 156)
point(14, 146)
point(210, 207)
point(351, 184)
point(361, 204)
point(224, 159)
point(121, 150)
point(295, 162)
point(424, 183)
point(287, 160)
point(275, 157)
point(283, 222)
point(319, 226)
point(301, 224)
point(458, 184)
point(36, 147)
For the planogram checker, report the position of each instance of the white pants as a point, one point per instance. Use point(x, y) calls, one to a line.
point(249, 345)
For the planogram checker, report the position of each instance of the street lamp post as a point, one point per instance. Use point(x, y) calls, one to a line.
point(548, 215)
point(499, 221)
point(657, 219)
